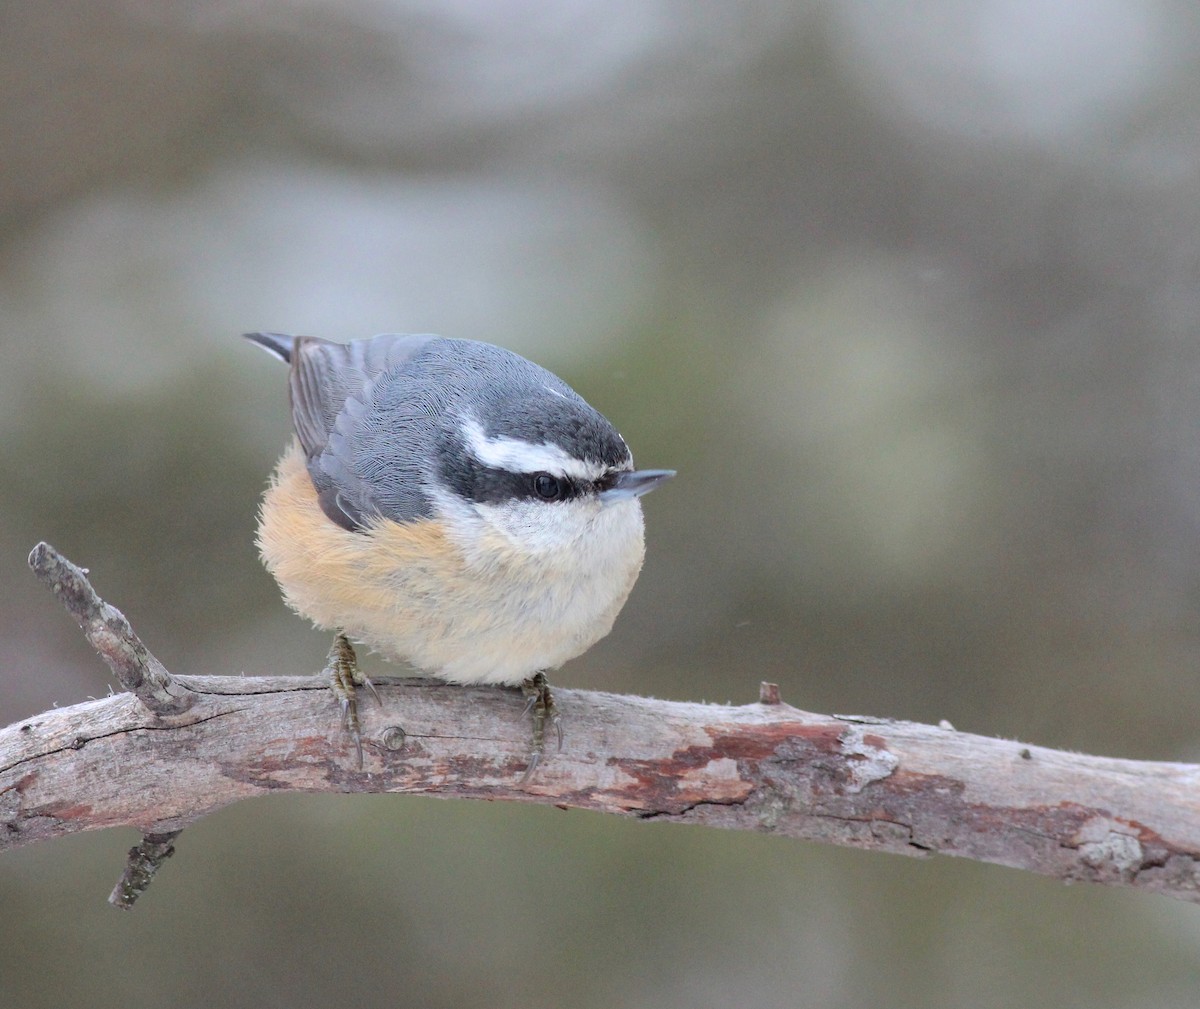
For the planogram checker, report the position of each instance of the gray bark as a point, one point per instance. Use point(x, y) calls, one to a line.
point(209, 741)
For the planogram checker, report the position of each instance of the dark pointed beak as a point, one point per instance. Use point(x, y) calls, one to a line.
point(630, 485)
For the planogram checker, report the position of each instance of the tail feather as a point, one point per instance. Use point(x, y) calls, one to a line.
point(278, 345)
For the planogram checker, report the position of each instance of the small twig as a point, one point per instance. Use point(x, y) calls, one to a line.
point(768, 693)
point(109, 633)
point(143, 863)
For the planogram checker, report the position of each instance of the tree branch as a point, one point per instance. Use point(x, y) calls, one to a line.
point(109, 633)
point(862, 782)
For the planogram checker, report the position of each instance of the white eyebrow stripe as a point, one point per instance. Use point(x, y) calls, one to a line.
point(517, 456)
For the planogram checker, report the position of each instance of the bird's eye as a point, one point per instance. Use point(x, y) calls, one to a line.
point(547, 487)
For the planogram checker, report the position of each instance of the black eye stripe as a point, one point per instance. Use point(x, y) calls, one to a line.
point(492, 485)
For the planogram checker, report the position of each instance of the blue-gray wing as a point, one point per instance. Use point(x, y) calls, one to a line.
point(365, 429)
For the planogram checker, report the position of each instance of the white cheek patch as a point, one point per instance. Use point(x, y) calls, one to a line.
point(538, 531)
point(517, 456)
point(533, 527)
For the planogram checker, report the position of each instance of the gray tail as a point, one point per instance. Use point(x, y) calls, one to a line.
point(278, 345)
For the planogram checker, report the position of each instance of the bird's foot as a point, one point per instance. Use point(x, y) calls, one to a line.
point(540, 705)
point(344, 680)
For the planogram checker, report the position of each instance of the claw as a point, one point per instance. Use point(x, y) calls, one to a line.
point(365, 680)
point(344, 678)
point(535, 760)
point(540, 705)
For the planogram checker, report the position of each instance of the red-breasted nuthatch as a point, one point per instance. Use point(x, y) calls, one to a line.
point(451, 505)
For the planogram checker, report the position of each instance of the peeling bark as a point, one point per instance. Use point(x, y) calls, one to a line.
point(867, 783)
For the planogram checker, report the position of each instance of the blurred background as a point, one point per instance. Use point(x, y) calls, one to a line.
point(909, 295)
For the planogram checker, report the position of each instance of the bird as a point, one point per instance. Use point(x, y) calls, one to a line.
point(453, 506)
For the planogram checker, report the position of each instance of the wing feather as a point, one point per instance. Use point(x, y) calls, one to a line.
point(331, 387)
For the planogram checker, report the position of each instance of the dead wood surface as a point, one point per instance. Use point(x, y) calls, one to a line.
point(857, 781)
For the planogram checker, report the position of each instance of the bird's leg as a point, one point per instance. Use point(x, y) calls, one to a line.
point(540, 704)
point(344, 679)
